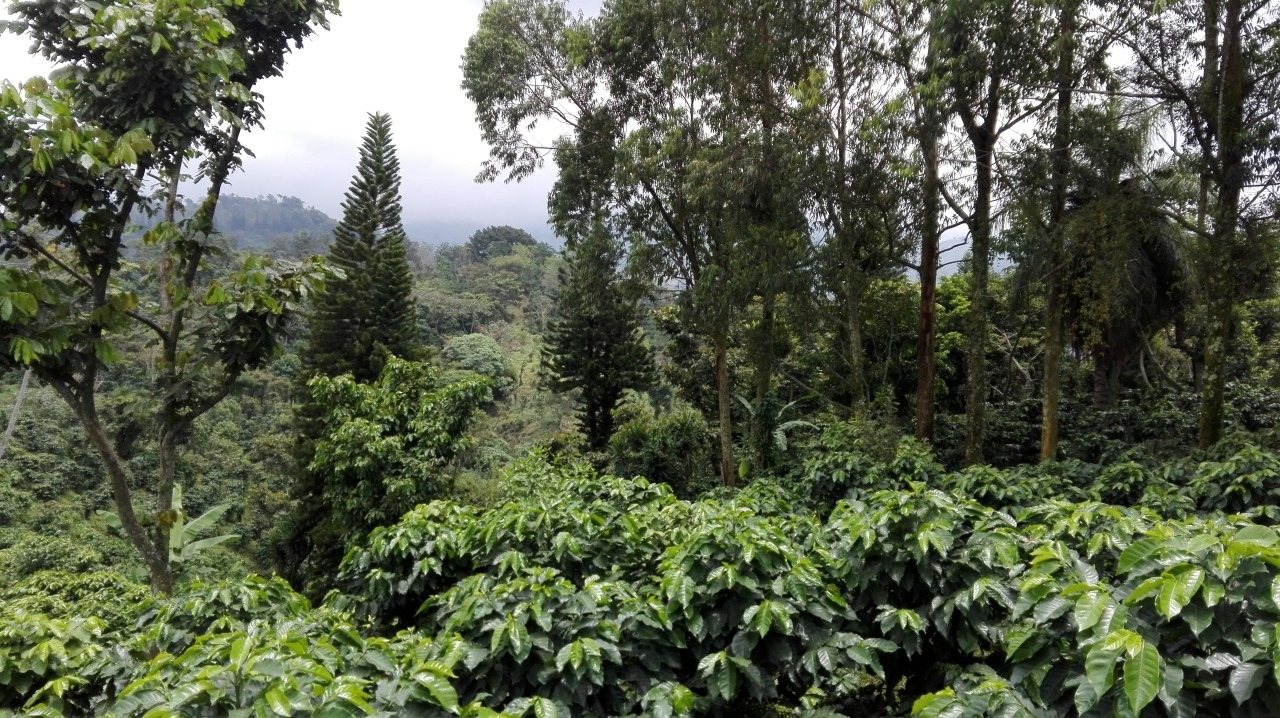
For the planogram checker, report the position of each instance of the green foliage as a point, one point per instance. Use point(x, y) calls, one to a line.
point(67, 594)
point(848, 465)
point(382, 449)
point(41, 658)
point(481, 354)
point(1183, 615)
point(676, 447)
point(163, 85)
point(585, 594)
point(1246, 480)
point(596, 347)
point(35, 553)
point(253, 648)
point(366, 314)
point(494, 242)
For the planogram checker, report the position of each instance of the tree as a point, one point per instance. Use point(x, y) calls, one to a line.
point(991, 46)
point(144, 86)
point(492, 242)
point(917, 49)
point(1065, 78)
point(382, 449)
point(677, 111)
point(367, 314)
point(481, 354)
point(596, 346)
point(1215, 66)
point(864, 187)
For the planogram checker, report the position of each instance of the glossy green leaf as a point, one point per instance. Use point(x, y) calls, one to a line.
point(1143, 676)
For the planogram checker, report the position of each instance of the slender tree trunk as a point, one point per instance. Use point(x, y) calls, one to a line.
point(13, 416)
point(1208, 101)
point(762, 420)
point(1101, 377)
point(170, 216)
point(1053, 341)
point(157, 561)
point(164, 492)
point(853, 318)
point(1225, 255)
point(724, 399)
point(931, 128)
point(979, 271)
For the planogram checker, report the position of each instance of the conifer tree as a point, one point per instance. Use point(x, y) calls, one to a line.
point(358, 322)
point(369, 314)
point(596, 345)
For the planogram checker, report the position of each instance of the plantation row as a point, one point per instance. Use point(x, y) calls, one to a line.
point(588, 595)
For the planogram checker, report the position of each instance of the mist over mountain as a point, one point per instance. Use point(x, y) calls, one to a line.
point(438, 232)
point(267, 220)
point(255, 221)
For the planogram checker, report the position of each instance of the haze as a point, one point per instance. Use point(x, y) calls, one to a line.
point(401, 57)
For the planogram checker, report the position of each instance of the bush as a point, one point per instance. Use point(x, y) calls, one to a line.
point(61, 594)
point(840, 470)
point(34, 553)
point(677, 448)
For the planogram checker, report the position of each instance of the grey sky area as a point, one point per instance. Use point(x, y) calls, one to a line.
point(401, 57)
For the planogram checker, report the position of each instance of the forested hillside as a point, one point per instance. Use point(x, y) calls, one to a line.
point(903, 358)
point(274, 223)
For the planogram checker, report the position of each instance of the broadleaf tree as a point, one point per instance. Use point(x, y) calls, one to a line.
point(382, 448)
point(143, 89)
point(1214, 66)
point(677, 112)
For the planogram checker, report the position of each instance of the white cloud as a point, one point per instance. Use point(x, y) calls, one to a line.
point(401, 57)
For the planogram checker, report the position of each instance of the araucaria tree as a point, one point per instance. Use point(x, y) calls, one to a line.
point(368, 314)
point(144, 87)
point(365, 317)
point(596, 346)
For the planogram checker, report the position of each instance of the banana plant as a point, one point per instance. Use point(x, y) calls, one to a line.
point(183, 542)
point(779, 431)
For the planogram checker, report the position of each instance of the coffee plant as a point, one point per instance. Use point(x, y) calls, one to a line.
point(890, 588)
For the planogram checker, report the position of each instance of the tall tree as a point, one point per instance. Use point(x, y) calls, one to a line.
point(1064, 76)
point(364, 317)
point(680, 105)
point(367, 314)
point(862, 189)
point(1215, 64)
point(916, 49)
point(143, 87)
point(991, 45)
point(596, 346)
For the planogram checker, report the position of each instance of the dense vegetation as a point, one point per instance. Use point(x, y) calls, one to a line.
point(754, 443)
point(582, 594)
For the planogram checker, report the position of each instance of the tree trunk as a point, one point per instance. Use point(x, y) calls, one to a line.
point(724, 398)
point(164, 493)
point(763, 419)
point(1225, 251)
point(980, 267)
point(930, 129)
point(157, 560)
point(1053, 341)
point(853, 317)
point(13, 416)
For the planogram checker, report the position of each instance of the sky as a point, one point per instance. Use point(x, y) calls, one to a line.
point(401, 57)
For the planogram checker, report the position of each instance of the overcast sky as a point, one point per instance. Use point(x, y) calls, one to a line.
point(401, 57)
